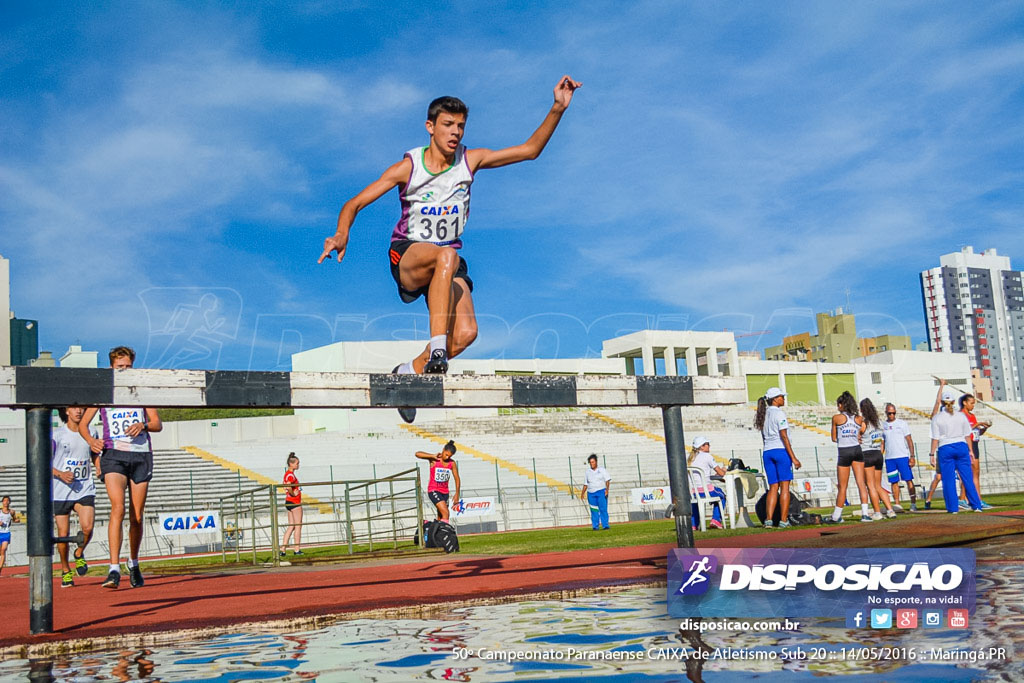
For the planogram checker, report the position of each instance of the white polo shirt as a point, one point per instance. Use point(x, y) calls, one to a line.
point(896, 433)
point(774, 422)
point(595, 479)
point(950, 428)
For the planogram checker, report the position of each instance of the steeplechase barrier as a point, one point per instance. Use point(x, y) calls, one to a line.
point(38, 390)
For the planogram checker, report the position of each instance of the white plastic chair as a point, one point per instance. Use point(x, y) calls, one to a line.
point(705, 502)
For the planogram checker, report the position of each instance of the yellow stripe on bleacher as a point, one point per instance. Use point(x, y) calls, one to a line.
point(510, 466)
point(324, 508)
point(810, 428)
point(633, 429)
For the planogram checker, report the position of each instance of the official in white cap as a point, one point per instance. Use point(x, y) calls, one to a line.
point(777, 457)
point(949, 450)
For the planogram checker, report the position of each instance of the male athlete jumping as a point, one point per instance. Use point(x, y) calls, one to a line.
point(434, 184)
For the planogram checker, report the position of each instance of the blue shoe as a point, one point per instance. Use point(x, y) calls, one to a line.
point(964, 505)
point(927, 505)
point(985, 506)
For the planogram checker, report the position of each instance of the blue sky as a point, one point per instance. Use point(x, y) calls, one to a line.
point(726, 165)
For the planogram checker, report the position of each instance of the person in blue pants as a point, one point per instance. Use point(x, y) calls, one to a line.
point(949, 431)
point(595, 493)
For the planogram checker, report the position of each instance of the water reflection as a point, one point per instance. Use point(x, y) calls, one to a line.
point(606, 637)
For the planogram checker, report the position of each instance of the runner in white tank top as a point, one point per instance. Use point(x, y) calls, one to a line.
point(73, 489)
point(434, 182)
point(847, 430)
point(7, 517)
point(126, 463)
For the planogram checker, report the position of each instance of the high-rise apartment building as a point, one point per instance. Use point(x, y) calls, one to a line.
point(974, 304)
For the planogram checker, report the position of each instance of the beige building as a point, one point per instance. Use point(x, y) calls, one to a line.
point(836, 341)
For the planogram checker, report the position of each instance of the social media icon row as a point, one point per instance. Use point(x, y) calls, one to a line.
point(906, 618)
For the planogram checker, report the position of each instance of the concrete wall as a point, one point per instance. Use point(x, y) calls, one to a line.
point(383, 356)
point(912, 374)
point(229, 430)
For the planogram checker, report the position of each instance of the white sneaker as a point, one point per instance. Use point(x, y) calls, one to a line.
point(897, 507)
point(875, 516)
point(891, 514)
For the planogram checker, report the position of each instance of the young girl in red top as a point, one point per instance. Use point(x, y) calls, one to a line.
point(292, 503)
point(442, 470)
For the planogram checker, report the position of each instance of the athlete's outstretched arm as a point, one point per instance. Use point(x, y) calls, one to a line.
point(531, 149)
point(393, 177)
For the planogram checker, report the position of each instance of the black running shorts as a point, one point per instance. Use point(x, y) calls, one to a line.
point(62, 508)
point(873, 459)
point(849, 455)
point(395, 253)
point(437, 497)
point(135, 465)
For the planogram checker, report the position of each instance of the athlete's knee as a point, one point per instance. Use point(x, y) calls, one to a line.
point(116, 510)
point(447, 260)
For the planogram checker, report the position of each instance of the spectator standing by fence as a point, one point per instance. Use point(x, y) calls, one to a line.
point(899, 457)
point(978, 428)
point(293, 504)
point(596, 485)
point(777, 454)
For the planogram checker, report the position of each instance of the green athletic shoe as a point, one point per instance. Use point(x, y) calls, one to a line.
point(67, 579)
point(81, 566)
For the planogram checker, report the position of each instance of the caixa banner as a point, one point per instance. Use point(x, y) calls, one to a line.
point(199, 522)
point(820, 582)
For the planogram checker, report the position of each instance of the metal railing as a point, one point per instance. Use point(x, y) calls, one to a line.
point(362, 512)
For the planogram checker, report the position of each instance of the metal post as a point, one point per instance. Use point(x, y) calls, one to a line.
point(191, 493)
point(817, 463)
point(348, 519)
point(639, 474)
point(376, 493)
point(536, 495)
point(675, 448)
point(334, 507)
point(369, 522)
point(572, 493)
point(239, 473)
point(394, 520)
point(419, 511)
point(497, 481)
point(39, 512)
point(223, 535)
point(1006, 458)
point(252, 523)
point(604, 461)
point(238, 526)
point(275, 542)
